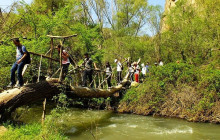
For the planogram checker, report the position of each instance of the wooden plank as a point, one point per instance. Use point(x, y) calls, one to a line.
point(61, 67)
point(51, 55)
point(38, 79)
point(44, 56)
point(62, 37)
point(44, 111)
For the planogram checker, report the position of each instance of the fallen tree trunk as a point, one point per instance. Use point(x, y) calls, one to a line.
point(11, 99)
point(14, 98)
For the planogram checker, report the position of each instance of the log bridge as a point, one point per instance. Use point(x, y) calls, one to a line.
point(14, 98)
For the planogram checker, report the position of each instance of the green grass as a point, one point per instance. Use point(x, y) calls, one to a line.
point(31, 132)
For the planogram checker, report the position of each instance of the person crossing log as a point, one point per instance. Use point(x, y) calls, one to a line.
point(22, 58)
point(88, 70)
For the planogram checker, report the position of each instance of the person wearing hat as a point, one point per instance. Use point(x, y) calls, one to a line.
point(119, 71)
point(21, 54)
point(65, 61)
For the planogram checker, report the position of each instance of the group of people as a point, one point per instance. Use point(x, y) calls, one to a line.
point(134, 70)
point(88, 68)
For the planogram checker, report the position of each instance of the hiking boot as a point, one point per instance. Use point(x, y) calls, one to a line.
point(10, 85)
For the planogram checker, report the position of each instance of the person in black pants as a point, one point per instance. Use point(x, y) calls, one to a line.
point(88, 70)
point(119, 71)
point(131, 72)
point(108, 74)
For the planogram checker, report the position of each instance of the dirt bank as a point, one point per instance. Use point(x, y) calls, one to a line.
point(184, 102)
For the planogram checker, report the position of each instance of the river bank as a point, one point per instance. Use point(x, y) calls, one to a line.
point(179, 91)
point(182, 105)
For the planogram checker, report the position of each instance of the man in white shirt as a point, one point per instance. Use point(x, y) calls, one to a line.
point(143, 70)
point(21, 55)
point(119, 71)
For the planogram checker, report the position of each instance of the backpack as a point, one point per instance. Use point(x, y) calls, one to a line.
point(27, 59)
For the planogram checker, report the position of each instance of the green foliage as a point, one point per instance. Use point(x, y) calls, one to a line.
point(193, 32)
point(163, 80)
point(173, 73)
point(210, 79)
point(31, 131)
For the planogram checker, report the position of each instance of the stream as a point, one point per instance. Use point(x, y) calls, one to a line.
point(105, 125)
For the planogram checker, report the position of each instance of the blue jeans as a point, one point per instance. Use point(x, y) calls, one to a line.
point(18, 67)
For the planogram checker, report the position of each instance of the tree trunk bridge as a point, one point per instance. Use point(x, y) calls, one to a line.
point(14, 98)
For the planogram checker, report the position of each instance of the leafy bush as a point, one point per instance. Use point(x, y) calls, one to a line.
point(31, 132)
point(163, 80)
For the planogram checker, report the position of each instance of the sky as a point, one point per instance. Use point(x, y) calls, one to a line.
point(5, 3)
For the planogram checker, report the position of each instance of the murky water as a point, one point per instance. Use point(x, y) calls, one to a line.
point(134, 127)
point(104, 125)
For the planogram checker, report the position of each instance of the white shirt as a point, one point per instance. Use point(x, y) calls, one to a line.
point(161, 63)
point(137, 68)
point(119, 66)
point(108, 71)
point(144, 70)
point(131, 69)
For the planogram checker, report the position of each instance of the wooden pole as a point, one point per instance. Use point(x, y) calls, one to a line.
point(55, 73)
point(38, 79)
point(50, 61)
point(62, 37)
point(61, 68)
point(99, 80)
point(95, 80)
point(44, 56)
point(44, 111)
